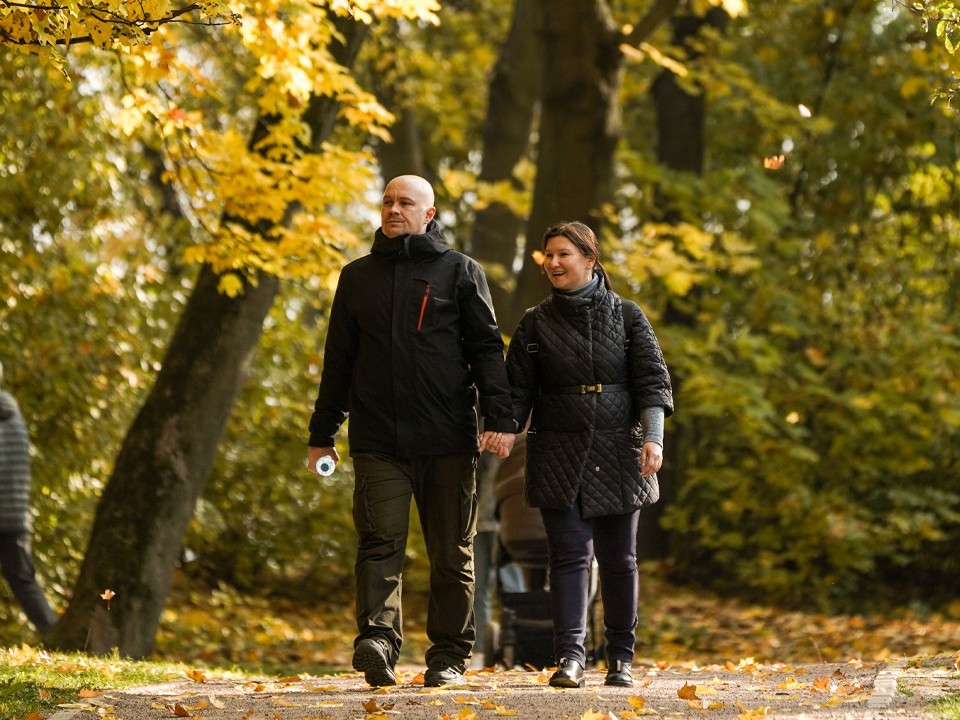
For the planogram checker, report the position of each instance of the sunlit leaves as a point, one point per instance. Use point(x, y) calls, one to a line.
point(774, 162)
point(216, 170)
point(113, 24)
point(944, 17)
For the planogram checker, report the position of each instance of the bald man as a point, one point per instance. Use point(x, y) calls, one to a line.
point(412, 348)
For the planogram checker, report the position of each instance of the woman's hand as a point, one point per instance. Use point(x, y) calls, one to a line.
point(500, 443)
point(651, 458)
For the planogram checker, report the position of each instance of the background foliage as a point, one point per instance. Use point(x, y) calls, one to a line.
point(807, 312)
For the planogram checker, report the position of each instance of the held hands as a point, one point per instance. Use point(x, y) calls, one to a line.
point(315, 453)
point(651, 458)
point(500, 443)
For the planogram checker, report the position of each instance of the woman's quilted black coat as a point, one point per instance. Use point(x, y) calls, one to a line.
point(586, 445)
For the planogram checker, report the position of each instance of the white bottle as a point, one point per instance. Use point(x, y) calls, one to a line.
point(325, 466)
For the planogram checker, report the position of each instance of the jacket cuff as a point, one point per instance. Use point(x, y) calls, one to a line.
point(320, 441)
point(507, 425)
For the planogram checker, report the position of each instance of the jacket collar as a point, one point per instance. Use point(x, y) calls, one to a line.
point(582, 299)
point(415, 247)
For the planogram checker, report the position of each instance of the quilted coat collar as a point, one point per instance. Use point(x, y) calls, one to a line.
point(582, 300)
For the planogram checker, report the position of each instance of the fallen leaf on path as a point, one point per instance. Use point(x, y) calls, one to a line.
point(294, 678)
point(282, 702)
point(748, 714)
point(793, 684)
point(198, 676)
point(84, 693)
point(688, 692)
point(592, 714)
point(372, 706)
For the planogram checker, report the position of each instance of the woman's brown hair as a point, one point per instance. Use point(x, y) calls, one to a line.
point(583, 239)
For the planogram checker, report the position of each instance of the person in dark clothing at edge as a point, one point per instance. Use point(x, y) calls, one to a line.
point(412, 345)
point(16, 555)
point(598, 390)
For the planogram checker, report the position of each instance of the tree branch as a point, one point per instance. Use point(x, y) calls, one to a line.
point(661, 11)
point(102, 14)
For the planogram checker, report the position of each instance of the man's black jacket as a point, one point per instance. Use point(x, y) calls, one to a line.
point(411, 343)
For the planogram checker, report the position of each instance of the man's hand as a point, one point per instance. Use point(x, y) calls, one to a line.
point(315, 453)
point(500, 443)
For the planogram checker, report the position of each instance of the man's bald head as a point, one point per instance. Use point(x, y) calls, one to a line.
point(407, 206)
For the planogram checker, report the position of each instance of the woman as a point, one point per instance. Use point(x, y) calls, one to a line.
point(598, 389)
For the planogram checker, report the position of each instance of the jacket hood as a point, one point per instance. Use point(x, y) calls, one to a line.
point(416, 247)
point(8, 406)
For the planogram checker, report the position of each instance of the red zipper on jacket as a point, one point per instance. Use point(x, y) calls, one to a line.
point(423, 307)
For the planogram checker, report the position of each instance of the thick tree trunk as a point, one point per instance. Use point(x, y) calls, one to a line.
point(403, 156)
point(167, 454)
point(514, 95)
point(578, 131)
point(680, 146)
point(160, 471)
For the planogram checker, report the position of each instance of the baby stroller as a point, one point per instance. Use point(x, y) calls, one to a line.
point(521, 635)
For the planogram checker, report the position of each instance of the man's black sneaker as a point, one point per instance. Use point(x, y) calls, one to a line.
point(442, 674)
point(372, 658)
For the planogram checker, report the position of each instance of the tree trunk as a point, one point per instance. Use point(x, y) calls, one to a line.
point(514, 95)
point(403, 156)
point(160, 471)
point(578, 131)
point(680, 146)
point(167, 454)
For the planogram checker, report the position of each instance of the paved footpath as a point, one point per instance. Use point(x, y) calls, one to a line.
point(824, 691)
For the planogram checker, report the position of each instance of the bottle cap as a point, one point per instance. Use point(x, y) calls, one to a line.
point(325, 465)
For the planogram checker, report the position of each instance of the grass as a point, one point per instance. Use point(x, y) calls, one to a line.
point(948, 708)
point(35, 681)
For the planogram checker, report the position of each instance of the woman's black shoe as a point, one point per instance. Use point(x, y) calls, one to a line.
point(619, 674)
point(569, 674)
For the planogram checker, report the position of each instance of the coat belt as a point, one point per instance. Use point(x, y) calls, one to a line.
point(583, 389)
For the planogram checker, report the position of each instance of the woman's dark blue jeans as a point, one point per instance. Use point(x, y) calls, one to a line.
point(572, 543)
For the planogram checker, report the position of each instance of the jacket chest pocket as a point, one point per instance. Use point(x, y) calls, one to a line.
point(433, 306)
